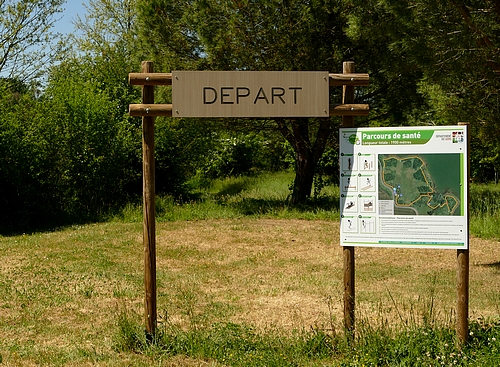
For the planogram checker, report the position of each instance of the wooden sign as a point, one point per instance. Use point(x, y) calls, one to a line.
point(250, 94)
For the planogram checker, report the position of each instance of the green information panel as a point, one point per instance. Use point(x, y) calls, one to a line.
point(404, 187)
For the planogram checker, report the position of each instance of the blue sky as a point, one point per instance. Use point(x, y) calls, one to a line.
point(64, 25)
point(72, 9)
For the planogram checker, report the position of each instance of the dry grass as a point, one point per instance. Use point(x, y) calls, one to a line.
point(289, 273)
point(61, 293)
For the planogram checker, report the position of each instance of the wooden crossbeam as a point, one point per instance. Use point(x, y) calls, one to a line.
point(350, 109)
point(150, 110)
point(351, 80)
point(150, 78)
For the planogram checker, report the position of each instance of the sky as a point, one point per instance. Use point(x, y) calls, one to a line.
point(72, 9)
point(64, 24)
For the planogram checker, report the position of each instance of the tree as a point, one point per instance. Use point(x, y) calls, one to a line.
point(107, 38)
point(26, 42)
point(254, 35)
point(69, 154)
point(96, 146)
point(443, 57)
point(108, 25)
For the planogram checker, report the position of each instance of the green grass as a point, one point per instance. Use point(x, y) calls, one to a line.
point(228, 344)
point(485, 210)
point(226, 264)
point(74, 298)
point(266, 196)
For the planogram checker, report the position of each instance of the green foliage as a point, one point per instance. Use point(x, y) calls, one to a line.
point(376, 345)
point(417, 163)
point(190, 152)
point(424, 189)
point(26, 162)
point(407, 163)
point(327, 170)
point(96, 143)
point(419, 56)
point(251, 35)
point(178, 148)
point(388, 177)
point(232, 157)
point(391, 162)
point(70, 153)
point(108, 28)
point(243, 154)
point(418, 175)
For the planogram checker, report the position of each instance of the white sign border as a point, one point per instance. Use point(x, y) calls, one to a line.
point(362, 223)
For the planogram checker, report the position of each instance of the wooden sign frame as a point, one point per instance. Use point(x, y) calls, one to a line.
point(348, 109)
point(148, 110)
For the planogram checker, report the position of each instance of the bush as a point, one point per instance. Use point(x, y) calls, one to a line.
point(233, 155)
point(96, 145)
point(69, 155)
point(27, 162)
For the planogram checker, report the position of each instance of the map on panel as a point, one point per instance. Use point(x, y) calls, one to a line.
point(420, 184)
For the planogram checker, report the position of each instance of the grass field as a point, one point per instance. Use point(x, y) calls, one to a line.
point(258, 284)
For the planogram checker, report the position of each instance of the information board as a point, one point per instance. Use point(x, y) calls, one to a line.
point(404, 187)
point(250, 94)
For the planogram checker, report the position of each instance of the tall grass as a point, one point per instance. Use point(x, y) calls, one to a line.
point(485, 210)
point(266, 196)
point(229, 344)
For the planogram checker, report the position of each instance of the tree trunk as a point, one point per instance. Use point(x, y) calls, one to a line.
point(307, 154)
point(304, 176)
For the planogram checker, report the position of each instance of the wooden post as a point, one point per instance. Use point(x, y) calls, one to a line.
point(463, 268)
point(462, 295)
point(349, 277)
point(149, 230)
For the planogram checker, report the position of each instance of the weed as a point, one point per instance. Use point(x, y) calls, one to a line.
point(231, 344)
point(130, 336)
